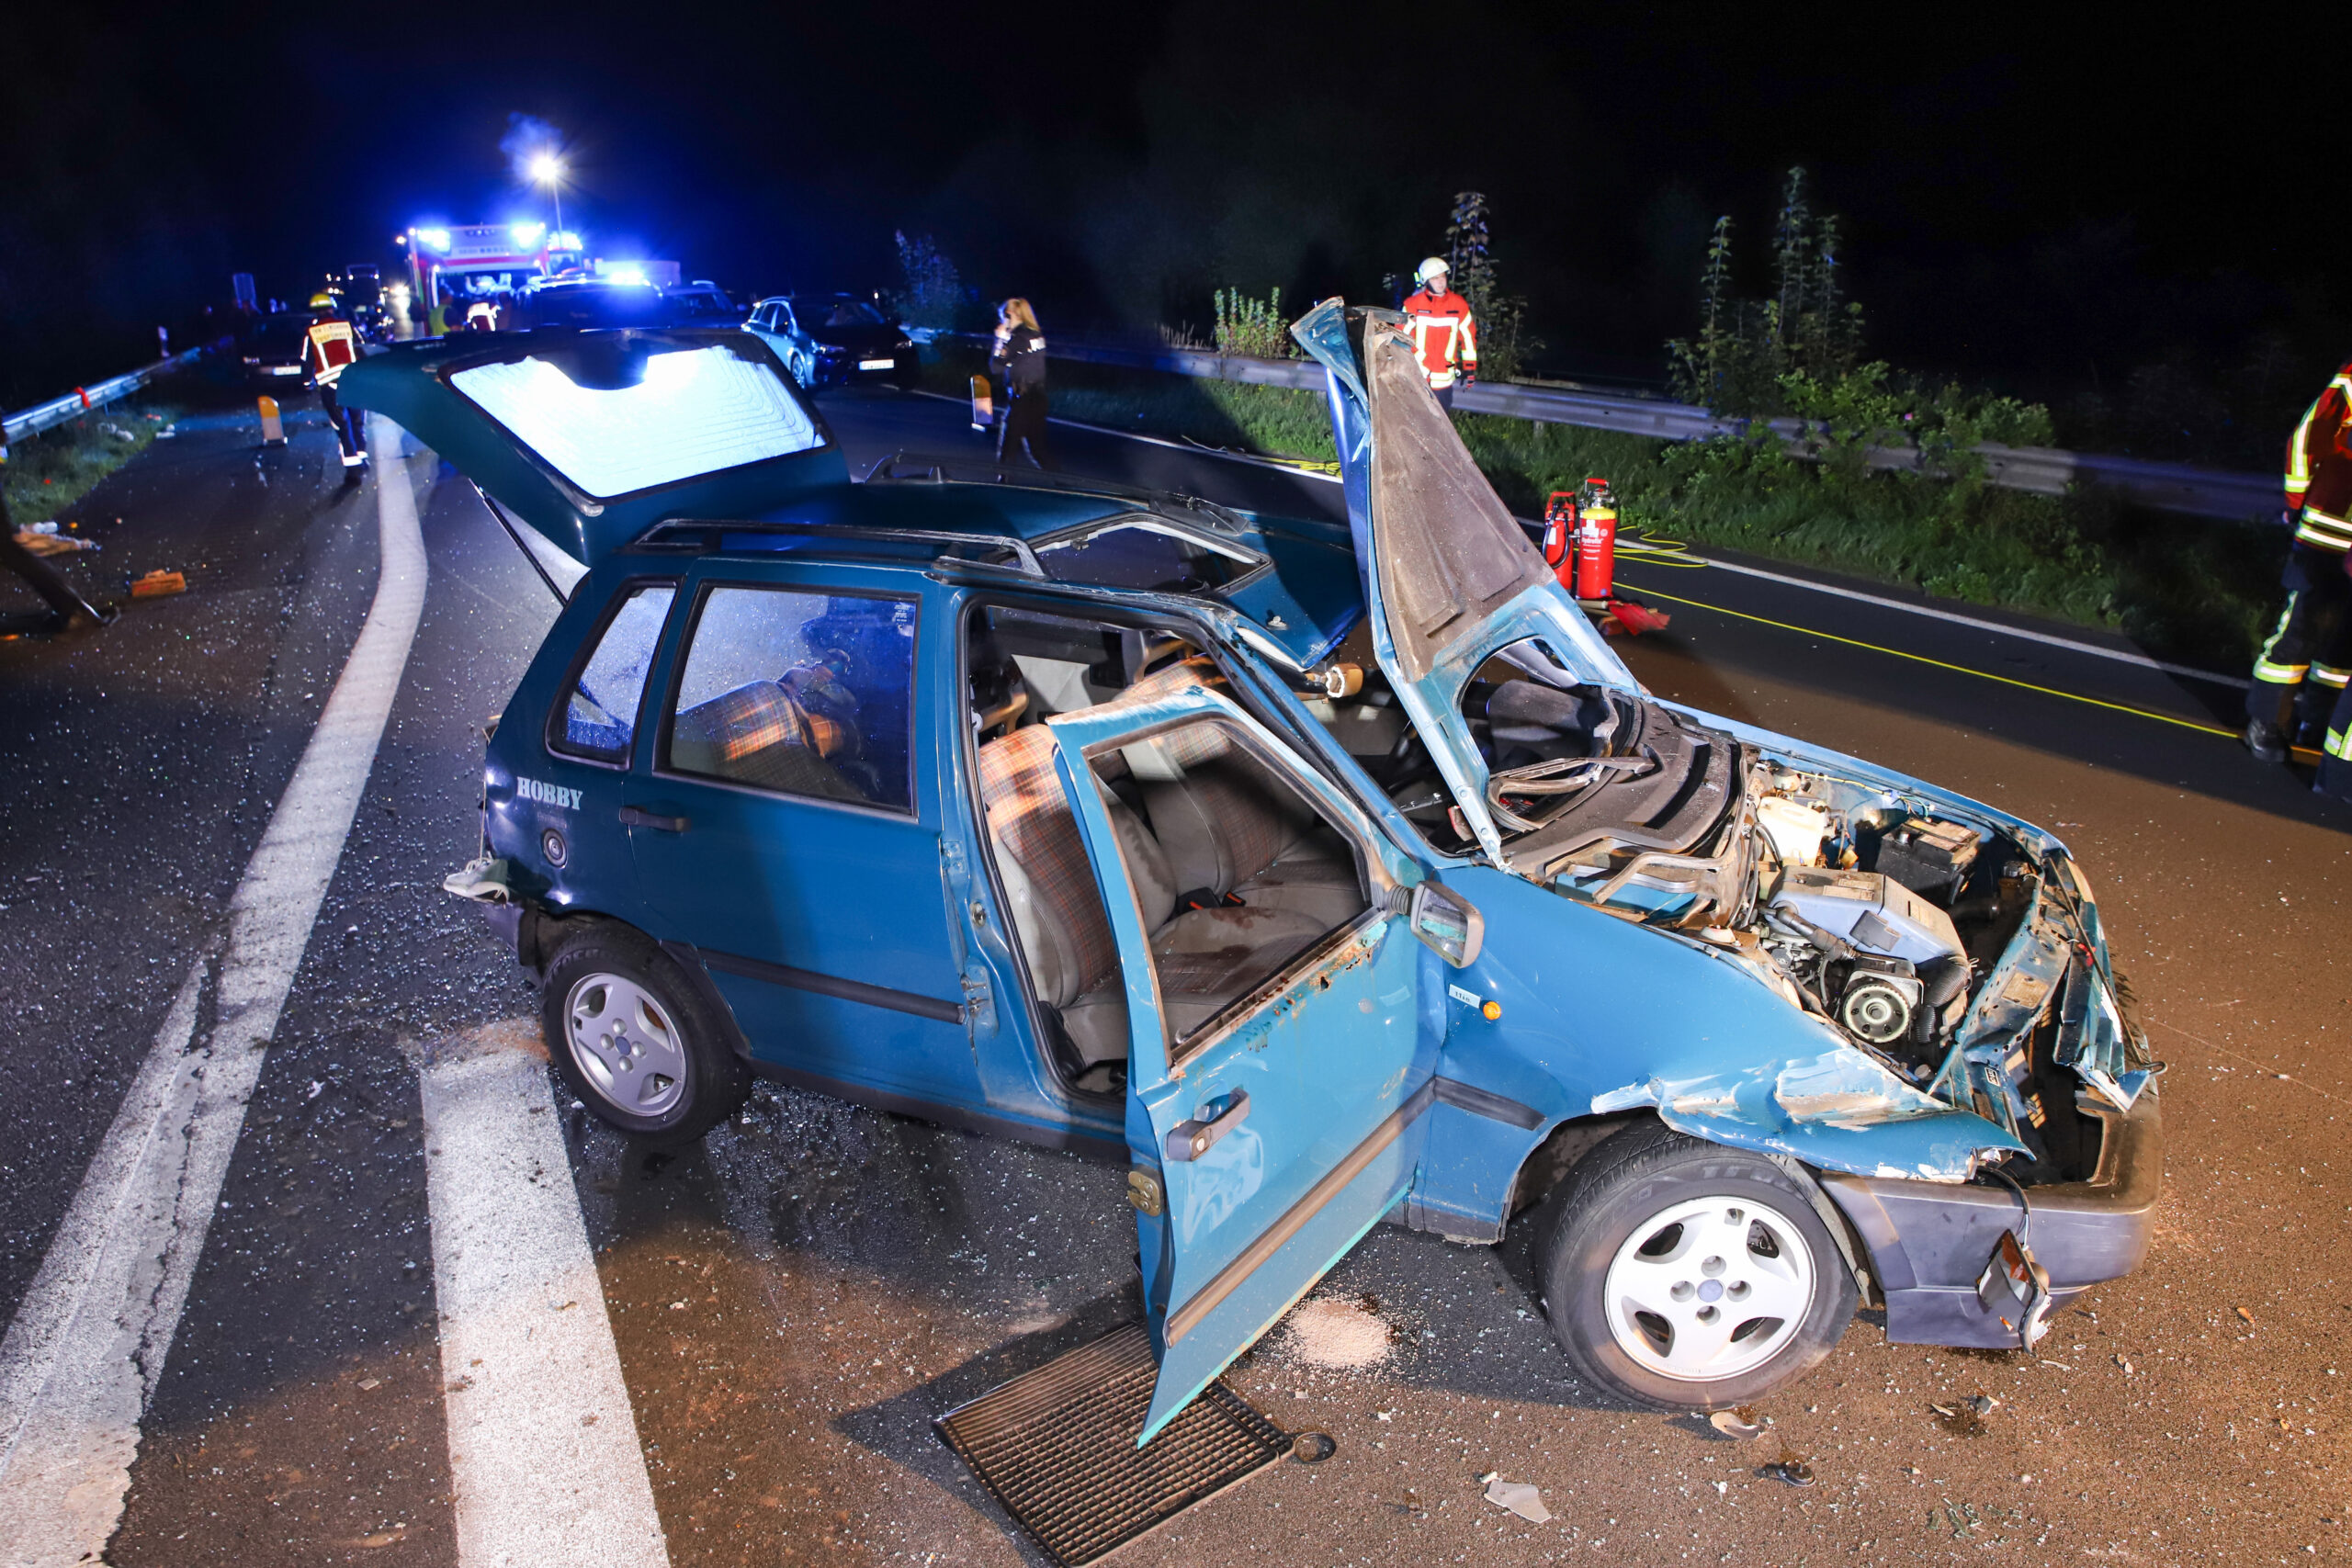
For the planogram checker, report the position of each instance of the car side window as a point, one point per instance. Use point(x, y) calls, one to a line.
point(599, 711)
point(803, 693)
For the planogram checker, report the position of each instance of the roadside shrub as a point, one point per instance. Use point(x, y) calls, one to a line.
point(2182, 587)
point(933, 292)
point(1505, 345)
point(1253, 327)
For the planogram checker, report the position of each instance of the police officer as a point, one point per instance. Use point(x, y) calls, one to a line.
point(2306, 665)
point(329, 346)
point(1019, 367)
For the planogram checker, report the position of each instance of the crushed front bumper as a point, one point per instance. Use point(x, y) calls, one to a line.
point(1929, 1242)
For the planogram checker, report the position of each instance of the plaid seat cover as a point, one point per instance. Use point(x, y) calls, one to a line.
point(756, 734)
point(1031, 820)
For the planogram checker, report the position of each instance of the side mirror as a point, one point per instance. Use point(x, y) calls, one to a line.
point(1448, 923)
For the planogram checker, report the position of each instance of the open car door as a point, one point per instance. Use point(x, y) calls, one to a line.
point(1449, 577)
point(1276, 1068)
point(594, 437)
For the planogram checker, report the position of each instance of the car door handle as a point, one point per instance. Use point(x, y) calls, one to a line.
point(638, 817)
point(1191, 1140)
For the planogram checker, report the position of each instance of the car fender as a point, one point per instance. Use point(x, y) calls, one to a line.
point(1571, 1013)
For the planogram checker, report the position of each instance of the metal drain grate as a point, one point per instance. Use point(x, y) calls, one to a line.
point(1057, 1446)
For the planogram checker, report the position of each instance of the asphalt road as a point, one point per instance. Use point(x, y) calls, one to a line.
point(790, 1303)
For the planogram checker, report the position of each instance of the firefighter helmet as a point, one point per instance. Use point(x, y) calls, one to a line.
point(1433, 266)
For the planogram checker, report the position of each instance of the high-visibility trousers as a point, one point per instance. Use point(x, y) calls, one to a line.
point(2307, 662)
point(2335, 765)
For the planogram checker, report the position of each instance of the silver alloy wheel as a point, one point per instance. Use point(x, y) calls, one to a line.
point(1710, 1287)
point(624, 1041)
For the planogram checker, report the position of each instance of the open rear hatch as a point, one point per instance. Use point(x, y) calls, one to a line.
point(593, 438)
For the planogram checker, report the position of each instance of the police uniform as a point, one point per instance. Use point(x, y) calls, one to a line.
point(1019, 365)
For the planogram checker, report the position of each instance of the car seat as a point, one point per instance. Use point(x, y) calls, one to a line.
point(1205, 958)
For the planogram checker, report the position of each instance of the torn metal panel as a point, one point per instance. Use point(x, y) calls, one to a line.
point(1839, 1111)
point(1449, 575)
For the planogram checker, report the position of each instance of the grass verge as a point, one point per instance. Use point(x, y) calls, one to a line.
point(2185, 588)
point(47, 475)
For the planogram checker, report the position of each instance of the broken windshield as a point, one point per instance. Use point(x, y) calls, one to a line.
point(1147, 554)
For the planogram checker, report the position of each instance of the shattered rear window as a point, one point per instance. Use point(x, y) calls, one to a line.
point(600, 712)
point(616, 417)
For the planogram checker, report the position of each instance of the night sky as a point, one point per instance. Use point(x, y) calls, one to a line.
point(2040, 200)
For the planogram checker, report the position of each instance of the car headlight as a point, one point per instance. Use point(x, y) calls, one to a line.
point(252, 359)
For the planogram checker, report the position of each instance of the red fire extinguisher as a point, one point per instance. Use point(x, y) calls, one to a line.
point(1596, 541)
point(1560, 537)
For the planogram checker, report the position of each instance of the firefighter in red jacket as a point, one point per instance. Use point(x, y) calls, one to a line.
point(329, 346)
point(2306, 665)
point(1443, 334)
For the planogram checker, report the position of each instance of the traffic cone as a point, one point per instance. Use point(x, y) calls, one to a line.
point(273, 429)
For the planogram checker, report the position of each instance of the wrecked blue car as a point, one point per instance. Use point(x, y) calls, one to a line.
point(1326, 874)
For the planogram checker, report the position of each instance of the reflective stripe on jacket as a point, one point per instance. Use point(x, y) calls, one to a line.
point(2319, 467)
point(327, 347)
point(1444, 337)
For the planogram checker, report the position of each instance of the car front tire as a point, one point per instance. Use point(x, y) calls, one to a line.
point(635, 1040)
point(1681, 1275)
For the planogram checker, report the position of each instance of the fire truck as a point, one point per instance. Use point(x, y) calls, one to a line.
point(485, 258)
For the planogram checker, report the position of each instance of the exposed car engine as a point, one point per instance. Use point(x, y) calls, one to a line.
point(1924, 935)
point(1846, 900)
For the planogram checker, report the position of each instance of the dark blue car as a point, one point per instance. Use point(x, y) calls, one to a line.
point(1323, 874)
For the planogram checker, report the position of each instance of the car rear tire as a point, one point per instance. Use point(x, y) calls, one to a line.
point(1684, 1276)
point(635, 1040)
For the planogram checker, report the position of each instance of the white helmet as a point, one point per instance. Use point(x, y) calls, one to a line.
point(1433, 266)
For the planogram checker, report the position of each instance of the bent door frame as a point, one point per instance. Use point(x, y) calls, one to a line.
point(1240, 1249)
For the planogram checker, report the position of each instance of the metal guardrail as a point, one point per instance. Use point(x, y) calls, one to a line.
point(2043, 471)
point(86, 399)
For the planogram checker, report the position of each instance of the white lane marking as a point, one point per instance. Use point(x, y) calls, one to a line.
point(86, 1349)
point(2120, 656)
point(544, 1458)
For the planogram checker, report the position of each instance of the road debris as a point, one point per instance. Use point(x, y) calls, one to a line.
point(1342, 1333)
point(1743, 1422)
point(1313, 1447)
point(43, 539)
point(2245, 1314)
point(1519, 1497)
point(1966, 1417)
point(1790, 1467)
point(158, 583)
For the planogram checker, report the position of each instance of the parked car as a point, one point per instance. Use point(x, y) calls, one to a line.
point(589, 302)
point(1324, 875)
point(274, 350)
point(837, 340)
point(701, 303)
